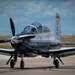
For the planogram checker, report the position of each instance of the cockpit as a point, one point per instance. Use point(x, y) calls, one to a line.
point(36, 27)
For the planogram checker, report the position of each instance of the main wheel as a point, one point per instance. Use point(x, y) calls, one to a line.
point(56, 63)
point(12, 63)
point(22, 64)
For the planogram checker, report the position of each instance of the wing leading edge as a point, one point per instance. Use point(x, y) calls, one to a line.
point(6, 51)
point(63, 52)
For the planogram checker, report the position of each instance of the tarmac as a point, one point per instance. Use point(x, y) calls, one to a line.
point(38, 66)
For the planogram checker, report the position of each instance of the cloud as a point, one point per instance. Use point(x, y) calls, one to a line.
point(40, 8)
point(26, 11)
point(66, 8)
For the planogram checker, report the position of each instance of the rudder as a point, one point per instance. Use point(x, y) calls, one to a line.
point(57, 28)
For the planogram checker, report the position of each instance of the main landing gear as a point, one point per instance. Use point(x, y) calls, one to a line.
point(13, 62)
point(56, 62)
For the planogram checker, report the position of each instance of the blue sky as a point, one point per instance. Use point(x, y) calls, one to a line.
point(25, 12)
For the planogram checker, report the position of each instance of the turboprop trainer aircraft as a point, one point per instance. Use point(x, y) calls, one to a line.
point(35, 39)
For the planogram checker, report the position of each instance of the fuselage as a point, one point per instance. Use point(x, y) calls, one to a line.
point(45, 41)
point(43, 37)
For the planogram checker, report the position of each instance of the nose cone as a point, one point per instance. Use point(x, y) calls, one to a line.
point(14, 37)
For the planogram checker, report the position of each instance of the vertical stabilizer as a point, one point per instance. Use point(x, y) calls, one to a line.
point(57, 27)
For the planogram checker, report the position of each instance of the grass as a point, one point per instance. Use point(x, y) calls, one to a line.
point(67, 38)
point(5, 45)
point(64, 38)
point(4, 37)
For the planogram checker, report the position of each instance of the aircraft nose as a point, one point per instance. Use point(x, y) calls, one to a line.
point(14, 37)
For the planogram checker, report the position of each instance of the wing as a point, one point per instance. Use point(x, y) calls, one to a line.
point(63, 52)
point(6, 51)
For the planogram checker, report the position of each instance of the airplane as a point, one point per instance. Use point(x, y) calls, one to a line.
point(36, 39)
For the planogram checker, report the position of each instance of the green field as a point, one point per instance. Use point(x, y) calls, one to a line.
point(64, 38)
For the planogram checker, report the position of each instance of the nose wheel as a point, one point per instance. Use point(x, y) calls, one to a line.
point(22, 64)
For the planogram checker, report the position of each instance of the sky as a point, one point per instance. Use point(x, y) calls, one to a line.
point(25, 12)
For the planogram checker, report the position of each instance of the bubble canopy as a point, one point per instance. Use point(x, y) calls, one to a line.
point(35, 27)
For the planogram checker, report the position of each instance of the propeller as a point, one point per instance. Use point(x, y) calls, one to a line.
point(16, 37)
point(8, 40)
point(13, 33)
point(12, 26)
point(4, 41)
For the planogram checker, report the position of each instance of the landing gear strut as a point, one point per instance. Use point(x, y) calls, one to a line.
point(22, 62)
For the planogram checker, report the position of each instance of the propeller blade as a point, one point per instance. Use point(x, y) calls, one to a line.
point(12, 26)
point(4, 41)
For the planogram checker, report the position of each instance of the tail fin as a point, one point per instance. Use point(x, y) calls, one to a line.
point(57, 27)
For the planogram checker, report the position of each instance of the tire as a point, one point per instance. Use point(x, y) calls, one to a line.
point(56, 63)
point(22, 64)
point(12, 63)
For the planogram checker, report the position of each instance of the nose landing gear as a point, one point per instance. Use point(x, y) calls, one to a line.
point(22, 64)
